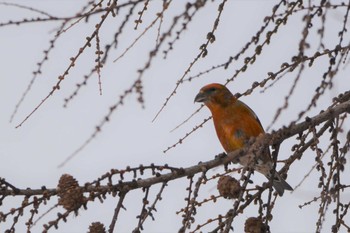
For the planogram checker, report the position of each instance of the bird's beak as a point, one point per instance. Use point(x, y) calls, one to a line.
point(200, 97)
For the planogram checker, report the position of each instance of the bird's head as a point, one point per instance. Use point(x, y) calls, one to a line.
point(214, 94)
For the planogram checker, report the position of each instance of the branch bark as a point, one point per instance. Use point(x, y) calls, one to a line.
point(221, 159)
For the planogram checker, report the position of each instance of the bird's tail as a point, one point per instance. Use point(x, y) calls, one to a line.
point(279, 183)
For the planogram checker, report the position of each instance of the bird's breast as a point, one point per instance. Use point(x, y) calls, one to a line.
point(230, 136)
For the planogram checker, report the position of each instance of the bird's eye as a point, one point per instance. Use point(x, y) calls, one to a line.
point(212, 89)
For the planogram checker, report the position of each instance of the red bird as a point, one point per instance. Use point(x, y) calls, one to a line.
point(235, 123)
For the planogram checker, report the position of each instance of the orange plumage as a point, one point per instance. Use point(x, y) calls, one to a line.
point(235, 123)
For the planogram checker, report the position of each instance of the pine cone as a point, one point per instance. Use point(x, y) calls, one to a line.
point(70, 194)
point(97, 227)
point(254, 225)
point(228, 187)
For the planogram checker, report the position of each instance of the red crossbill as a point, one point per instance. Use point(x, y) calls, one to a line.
point(235, 123)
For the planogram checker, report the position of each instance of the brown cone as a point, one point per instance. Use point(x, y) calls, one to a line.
point(228, 187)
point(254, 225)
point(97, 227)
point(70, 194)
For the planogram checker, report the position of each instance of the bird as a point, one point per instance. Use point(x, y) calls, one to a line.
point(235, 123)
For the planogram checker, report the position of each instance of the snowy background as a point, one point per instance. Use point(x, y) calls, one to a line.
point(29, 155)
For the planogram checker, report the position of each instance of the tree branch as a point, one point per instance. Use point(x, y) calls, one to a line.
point(221, 159)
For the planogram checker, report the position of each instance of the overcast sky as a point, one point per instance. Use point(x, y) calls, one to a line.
point(30, 154)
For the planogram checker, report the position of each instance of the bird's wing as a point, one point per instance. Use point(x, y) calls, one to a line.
point(251, 114)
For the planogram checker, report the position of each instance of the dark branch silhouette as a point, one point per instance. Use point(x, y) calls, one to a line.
point(326, 135)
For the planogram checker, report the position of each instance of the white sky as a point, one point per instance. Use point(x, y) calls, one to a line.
point(30, 155)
